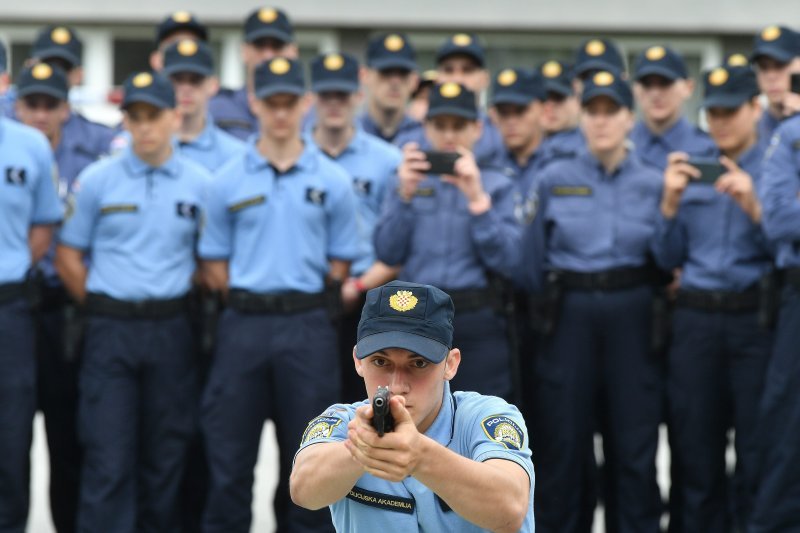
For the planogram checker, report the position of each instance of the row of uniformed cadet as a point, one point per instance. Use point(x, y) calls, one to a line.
point(456, 232)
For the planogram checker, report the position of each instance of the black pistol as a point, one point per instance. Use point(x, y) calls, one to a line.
point(382, 419)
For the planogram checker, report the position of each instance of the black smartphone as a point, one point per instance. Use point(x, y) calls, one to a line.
point(796, 83)
point(710, 170)
point(441, 162)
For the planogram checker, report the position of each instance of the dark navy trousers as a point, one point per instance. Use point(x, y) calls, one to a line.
point(777, 500)
point(715, 376)
point(17, 408)
point(598, 355)
point(283, 367)
point(137, 412)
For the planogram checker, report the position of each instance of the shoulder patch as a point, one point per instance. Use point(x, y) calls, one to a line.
point(119, 208)
point(503, 430)
point(320, 428)
point(244, 204)
point(571, 191)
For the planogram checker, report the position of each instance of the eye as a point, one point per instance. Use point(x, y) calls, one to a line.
point(419, 363)
point(379, 362)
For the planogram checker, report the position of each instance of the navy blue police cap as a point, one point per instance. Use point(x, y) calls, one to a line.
point(391, 51)
point(452, 99)
point(43, 79)
point(149, 88)
point(736, 60)
point(334, 72)
point(279, 76)
point(268, 22)
point(777, 42)
point(181, 21)
point(660, 61)
point(729, 87)
point(58, 42)
point(516, 86)
point(417, 318)
point(608, 84)
point(188, 55)
point(556, 77)
point(466, 44)
point(598, 54)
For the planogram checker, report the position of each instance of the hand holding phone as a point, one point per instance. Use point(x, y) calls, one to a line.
point(710, 170)
point(441, 162)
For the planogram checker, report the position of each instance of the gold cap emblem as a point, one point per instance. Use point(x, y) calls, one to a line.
point(181, 17)
point(393, 42)
point(718, 76)
point(450, 90)
point(333, 62)
point(42, 71)
point(603, 79)
point(60, 35)
point(187, 47)
point(771, 33)
point(280, 66)
point(595, 48)
point(462, 39)
point(143, 79)
point(507, 77)
point(403, 301)
point(737, 60)
point(267, 15)
point(551, 69)
point(654, 53)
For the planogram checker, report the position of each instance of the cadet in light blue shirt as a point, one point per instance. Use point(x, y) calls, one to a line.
point(138, 215)
point(281, 227)
point(662, 87)
point(720, 343)
point(451, 461)
point(29, 208)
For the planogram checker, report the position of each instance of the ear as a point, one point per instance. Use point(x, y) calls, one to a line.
point(690, 85)
point(253, 103)
point(493, 116)
point(358, 364)
point(451, 363)
point(156, 60)
point(212, 86)
point(363, 75)
point(75, 76)
point(291, 51)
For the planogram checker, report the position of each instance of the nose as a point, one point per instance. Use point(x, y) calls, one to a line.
point(398, 382)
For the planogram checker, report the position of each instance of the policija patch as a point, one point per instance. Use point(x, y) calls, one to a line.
point(320, 428)
point(503, 430)
point(382, 501)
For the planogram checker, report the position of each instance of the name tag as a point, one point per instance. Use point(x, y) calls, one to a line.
point(119, 208)
point(425, 192)
point(571, 191)
point(382, 501)
point(244, 204)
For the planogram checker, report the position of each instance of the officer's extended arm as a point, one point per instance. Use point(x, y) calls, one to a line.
point(39, 238)
point(323, 474)
point(72, 271)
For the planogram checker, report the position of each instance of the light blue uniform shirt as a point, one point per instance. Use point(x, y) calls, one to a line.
point(27, 195)
point(680, 137)
point(371, 163)
point(780, 193)
point(278, 230)
point(212, 148)
point(439, 242)
point(139, 224)
point(718, 246)
point(472, 425)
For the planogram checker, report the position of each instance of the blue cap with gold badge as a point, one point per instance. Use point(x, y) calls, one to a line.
point(452, 99)
point(556, 76)
point(279, 76)
point(516, 86)
point(148, 88)
point(608, 84)
point(777, 42)
point(466, 44)
point(660, 61)
point(268, 22)
point(729, 87)
point(58, 42)
point(417, 318)
point(188, 55)
point(736, 60)
point(598, 54)
point(43, 79)
point(334, 72)
point(181, 21)
point(391, 51)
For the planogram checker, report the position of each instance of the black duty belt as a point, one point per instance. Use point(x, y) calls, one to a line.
point(52, 298)
point(99, 304)
point(720, 301)
point(11, 291)
point(608, 280)
point(470, 299)
point(791, 276)
point(292, 302)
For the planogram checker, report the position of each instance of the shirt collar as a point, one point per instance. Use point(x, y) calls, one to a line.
point(441, 429)
point(204, 141)
point(139, 168)
point(591, 161)
point(672, 137)
point(750, 161)
point(255, 161)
